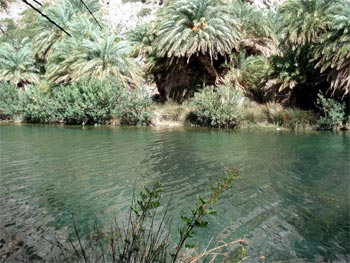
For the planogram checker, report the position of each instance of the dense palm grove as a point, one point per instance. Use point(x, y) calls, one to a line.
point(232, 62)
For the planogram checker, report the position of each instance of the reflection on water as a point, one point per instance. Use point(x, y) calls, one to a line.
point(291, 202)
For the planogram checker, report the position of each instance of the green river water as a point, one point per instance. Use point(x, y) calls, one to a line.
point(291, 202)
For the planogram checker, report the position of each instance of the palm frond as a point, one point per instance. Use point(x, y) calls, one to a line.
point(64, 13)
point(97, 54)
point(302, 21)
point(257, 28)
point(333, 51)
point(17, 64)
point(193, 27)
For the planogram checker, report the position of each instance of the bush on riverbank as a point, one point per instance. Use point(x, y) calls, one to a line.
point(134, 107)
point(9, 102)
point(86, 102)
point(333, 113)
point(96, 102)
point(225, 107)
point(39, 107)
point(216, 107)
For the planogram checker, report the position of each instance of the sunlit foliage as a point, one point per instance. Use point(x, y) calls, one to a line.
point(17, 64)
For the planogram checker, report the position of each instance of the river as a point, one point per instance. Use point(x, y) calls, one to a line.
point(291, 202)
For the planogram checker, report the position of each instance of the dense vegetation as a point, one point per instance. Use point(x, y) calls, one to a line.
point(212, 53)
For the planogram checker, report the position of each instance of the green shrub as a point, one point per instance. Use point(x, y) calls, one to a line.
point(87, 102)
point(217, 107)
point(134, 107)
point(333, 112)
point(39, 107)
point(10, 104)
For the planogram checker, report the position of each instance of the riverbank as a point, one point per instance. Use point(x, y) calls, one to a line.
point(252, 117)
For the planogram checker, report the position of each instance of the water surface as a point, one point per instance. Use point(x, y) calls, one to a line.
point(291, 202)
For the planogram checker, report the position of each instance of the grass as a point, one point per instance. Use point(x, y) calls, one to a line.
point(171, 113)
point(274, 115)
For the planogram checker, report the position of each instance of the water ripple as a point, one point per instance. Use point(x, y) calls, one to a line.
point(291, 201)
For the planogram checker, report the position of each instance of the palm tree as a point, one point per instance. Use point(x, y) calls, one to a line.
point(248, 67)
point(141, 39)
point(301, 25)
point(95, 54)
point(315, 39)
point(81, 27)
point(302, 22)
point(17, 64)
point(193, 38)
point(187, 28)
point(333, 51)
point(62, 13)
point(257, 29)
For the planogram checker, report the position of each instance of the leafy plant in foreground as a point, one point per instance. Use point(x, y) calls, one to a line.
point(202, 209)
point(145, 237)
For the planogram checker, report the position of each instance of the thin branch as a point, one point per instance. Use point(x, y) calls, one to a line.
point(214, 250)
point(37, 2)
point(48, 18)
point(91, 13)
point(80, 244)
